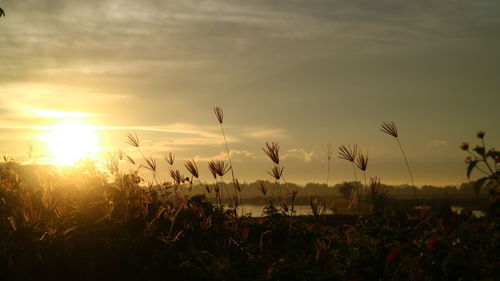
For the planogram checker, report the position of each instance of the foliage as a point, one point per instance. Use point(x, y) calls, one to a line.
point(88, 225)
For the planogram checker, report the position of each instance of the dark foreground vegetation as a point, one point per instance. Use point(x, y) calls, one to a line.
point(90, 224)
point(85, 225)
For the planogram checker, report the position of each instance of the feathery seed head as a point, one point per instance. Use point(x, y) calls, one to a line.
point(151, 164)
point(219, 113)
point(263, 187)
point(132, 139)
point(237, 185)
point(272, 150)
point(389, 128)
point(218, 168)
point(348, 153)
point(207, 187)
point(192, 168)
point(362, 162)
point(276, 172)
point(177, 177)
point(170, 158)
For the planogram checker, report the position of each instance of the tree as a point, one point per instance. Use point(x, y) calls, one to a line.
point(346, 189)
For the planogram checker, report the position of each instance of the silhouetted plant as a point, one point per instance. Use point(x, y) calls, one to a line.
point(390, 129)
point(481, 155)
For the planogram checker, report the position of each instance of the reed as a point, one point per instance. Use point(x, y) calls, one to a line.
point(391, 129)
point(349, 153)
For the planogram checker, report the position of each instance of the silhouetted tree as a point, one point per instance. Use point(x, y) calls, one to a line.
point(346, 189)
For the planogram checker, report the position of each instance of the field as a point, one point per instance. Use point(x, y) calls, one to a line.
point(89, 223)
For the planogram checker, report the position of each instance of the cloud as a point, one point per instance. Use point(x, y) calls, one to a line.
point(300, 154)
point(263, 133)
point(236, 156)
point(437, 143)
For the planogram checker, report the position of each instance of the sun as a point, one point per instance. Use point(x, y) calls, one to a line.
point(70, 141)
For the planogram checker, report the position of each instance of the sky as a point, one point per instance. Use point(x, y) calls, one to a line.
point(302, 73)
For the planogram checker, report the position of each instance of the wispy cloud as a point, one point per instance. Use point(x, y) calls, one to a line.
point(236, 156)
point(300, 154)
point(266, 133)
point(437, 143)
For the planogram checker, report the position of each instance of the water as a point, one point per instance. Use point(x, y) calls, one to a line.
point(303, 210)
point(256, 210)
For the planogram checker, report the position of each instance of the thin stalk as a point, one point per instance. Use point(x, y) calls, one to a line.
point(356, 184)
point(366, 187)
point(228, 154)
point(477, 167)
point(486, 159)
point(409, 172)
point(328, 173)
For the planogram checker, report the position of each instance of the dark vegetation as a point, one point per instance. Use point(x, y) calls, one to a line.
point(91, 224)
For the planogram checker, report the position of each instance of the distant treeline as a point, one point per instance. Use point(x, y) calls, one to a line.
point(40, 174)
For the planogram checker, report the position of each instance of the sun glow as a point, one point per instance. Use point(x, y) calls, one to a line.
point(71, 141)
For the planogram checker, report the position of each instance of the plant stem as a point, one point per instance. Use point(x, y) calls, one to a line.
point(328, 173)
point(356, 185)
point(484, 157)
point(228, 154)
point(409, 172)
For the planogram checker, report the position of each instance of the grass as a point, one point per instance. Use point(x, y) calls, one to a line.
point(90, 224)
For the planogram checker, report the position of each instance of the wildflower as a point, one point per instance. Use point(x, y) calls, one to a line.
point(480, 134)
point(432, 245)
point(468, 159)
point(464, 146)
point(394, 255)
point(406, 245)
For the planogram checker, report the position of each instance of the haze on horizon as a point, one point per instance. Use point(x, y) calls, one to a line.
point(302, 73)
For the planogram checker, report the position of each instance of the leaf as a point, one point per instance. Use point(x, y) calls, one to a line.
point(478, 184)
point(479, 150)
point(471, 166)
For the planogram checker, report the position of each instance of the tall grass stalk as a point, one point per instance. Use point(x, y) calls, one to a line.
point(391, 129)
point(329, 154)
point(349, 153)
point(219, 113)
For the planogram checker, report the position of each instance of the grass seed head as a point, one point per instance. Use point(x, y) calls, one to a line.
point(192, 168)
point(151, 164)
point(170, 158)
point(219, 113)
point(348, 153)
point(276, 172)
point(362, 162)
point(389, 128)
point(272, 150)
point(263, 187)
point(133, 139)
point(177, 177)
